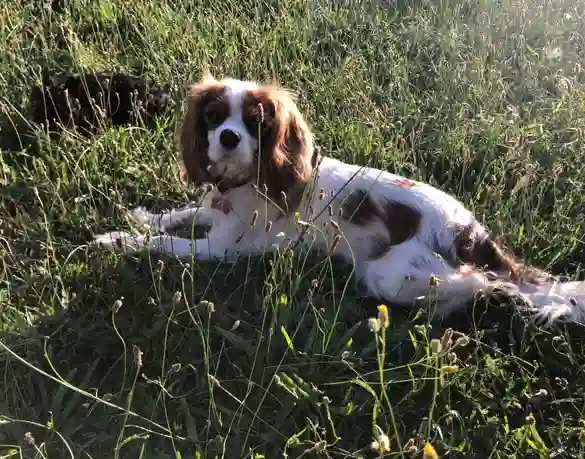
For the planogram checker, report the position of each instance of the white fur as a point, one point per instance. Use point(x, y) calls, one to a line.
point(232, 163)
point(402, 275)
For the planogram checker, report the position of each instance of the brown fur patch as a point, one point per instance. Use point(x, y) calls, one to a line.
point(285, 156)
point(485, 253)
point(358, 208)
point(206, 107)
point(401, 220)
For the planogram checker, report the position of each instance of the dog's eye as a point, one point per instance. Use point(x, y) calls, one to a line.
point(258, 122)
point(252, 126)
point(214, 116)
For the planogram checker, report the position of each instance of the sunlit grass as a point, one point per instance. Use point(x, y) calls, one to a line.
point(109, 356)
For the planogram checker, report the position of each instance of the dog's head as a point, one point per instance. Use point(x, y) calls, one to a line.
point(239, 132)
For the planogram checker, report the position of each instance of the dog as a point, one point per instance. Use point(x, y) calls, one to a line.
point(87, 100)
point(272, 189)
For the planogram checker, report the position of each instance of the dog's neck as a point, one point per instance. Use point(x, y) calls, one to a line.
point(287, 202)
point(302, 191)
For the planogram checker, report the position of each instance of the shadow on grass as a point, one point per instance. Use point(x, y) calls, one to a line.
point(261, 365)
point(182, 344)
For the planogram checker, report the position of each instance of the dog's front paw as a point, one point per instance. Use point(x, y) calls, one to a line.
point(120, 241)
point(157, 223)
point(141, 216)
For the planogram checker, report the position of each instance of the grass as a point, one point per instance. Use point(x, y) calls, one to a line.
point(128, 357)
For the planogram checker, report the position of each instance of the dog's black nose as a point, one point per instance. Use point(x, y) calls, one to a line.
point(229, 139)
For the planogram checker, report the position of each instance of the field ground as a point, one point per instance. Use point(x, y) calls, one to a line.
point(483, 98)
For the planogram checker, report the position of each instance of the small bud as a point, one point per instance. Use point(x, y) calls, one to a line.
point(268, 226)
point(269, 289)
point(137, 356)
point(29, 438)
point(434, 281)
point(117, 305)
point(436, 346)
point(335, 243)
point(261, 113)
point(374, 324)
point(177, 297)
point(462, 341)
point(410, 447)
point(321, 194)
point(205, 307)
point(320, 446)
point(381, 444)
point(254, 219)
point(446, 341)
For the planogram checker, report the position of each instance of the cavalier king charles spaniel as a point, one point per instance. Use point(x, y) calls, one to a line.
point(270, 189)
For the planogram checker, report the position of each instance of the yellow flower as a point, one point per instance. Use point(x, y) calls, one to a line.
point(383, 315)
point(429, 452)
point(450, 369)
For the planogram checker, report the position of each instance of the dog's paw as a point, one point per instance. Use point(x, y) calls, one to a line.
point(120, 241)
point(141, 216)
point(156, 223)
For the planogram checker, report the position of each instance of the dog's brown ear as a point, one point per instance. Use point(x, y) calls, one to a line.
point(286, 157)
point(193, 142)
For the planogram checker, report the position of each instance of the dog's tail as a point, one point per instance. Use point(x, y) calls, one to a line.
point(546, 297)
point(541, 297)
point(554, 301)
